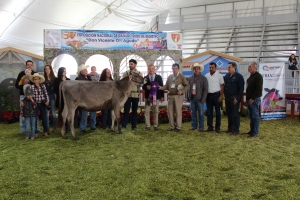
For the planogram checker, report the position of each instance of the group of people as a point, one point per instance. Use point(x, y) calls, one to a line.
point(211, 89)
point(40, 93)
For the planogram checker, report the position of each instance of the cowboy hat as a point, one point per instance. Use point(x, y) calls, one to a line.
point(42, 79)
point(82, 67)
point(197, 65)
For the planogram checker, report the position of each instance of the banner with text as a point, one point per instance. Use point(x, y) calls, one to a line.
point(273, 95)
point(111, 40)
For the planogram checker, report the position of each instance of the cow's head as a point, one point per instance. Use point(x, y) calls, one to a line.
point(272, 94)
point(136, 78)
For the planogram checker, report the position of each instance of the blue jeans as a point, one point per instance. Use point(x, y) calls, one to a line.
point(253, 113)
point(135, 102)
point(30, 124)
point(211, 102)
point(106, 117)
point(197, 108)
point(22, 123)
point(52, 110)
point(44, 115)
point(232, 112)
point(83, 120)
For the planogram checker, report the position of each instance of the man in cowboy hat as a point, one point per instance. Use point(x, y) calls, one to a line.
point(233, 90)
point(83, 76)
point(197, 96)
point(41, 97)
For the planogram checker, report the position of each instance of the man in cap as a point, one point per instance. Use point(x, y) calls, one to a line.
point(29, 113)
point(197, 94)
point(83, 76)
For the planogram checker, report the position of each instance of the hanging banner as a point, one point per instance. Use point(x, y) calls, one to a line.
point(273, 95)
point(111, 40)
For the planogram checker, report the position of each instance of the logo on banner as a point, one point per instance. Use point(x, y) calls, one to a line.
point(273, 99)
point(267, 68)
point(269, 103)
point(175, 37)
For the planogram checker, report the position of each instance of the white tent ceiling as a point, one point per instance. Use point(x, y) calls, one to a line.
point(22, 21)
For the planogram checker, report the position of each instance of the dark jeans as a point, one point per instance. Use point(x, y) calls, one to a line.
point(106, 117)
point(253, 112)
point(52, 110)
point(134, 102)
point(44, 114)
point(211, 102)
point(232, 112)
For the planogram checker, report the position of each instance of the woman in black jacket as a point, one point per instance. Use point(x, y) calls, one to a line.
point(293, 62)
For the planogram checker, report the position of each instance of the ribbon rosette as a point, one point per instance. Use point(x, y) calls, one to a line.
point(152, 96)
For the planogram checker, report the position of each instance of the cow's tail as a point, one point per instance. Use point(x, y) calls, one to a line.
point(60, 108)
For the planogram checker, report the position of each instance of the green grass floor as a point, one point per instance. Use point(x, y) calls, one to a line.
point(153, 165)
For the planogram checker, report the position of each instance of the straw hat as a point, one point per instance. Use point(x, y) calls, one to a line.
point(42, 79)
point(82, 67)
point(197, 65)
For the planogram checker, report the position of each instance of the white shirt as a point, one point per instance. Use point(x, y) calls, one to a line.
point(152, 77)
point(214, 82)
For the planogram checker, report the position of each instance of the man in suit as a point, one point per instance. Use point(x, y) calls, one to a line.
point(152, 96)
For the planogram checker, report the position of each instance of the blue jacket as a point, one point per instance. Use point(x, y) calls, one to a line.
point(234, 85)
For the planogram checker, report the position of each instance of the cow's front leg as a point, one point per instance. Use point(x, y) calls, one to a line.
point(117, 115)
point(71, 124)
point(63, 129)
point(113, 118)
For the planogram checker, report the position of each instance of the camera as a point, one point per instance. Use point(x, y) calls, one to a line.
point(44, 102)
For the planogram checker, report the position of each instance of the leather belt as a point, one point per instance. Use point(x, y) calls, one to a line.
point(230, 95)
point(215, 92)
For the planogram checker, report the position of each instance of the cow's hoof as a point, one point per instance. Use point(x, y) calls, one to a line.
point(76, 138)
point(65, 137)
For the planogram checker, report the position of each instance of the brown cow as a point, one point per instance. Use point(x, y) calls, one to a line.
point(94, 96)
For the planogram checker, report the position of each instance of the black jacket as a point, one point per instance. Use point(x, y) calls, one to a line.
point(160, 93)
point(20, 75)
point(56, 84)
point(254, 86)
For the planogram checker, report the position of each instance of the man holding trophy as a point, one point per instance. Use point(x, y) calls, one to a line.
point(177, 85)
point(152, 96)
